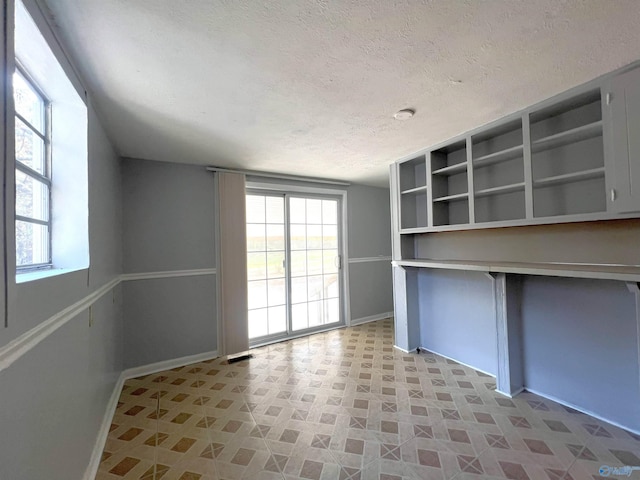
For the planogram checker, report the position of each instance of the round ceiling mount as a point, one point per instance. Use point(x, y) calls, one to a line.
point(404, 114)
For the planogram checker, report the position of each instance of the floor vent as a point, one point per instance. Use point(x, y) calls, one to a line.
point(239, 359)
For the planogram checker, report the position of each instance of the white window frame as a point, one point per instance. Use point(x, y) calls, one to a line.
point(44, 178)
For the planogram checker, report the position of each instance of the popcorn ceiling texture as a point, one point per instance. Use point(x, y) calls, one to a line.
point(310, 86)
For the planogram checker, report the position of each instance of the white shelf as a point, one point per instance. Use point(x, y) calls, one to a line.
point(497, 157)
point(452, 198)
point(415, 191)
point(574, 135)
point(625, 273)
point(451, 169)
point(570, 177)
point(515, 187)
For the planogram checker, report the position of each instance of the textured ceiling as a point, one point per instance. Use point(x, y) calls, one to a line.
point(310, 86)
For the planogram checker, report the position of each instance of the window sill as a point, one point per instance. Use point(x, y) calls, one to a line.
point(40, 274)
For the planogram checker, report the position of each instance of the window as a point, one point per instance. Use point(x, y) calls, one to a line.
point(51, 153)
point(33, 175)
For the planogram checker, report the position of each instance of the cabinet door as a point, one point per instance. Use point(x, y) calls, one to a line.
point(623, 166)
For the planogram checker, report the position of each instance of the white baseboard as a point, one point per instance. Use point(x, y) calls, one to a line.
point(103, 433)
point(512, 394)
point(168, 364)
point(370, 318)
point(582, 410)
point(403, 350)
point(458, 361)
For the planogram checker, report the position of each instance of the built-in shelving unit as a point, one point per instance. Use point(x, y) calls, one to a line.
point(518, 293)
point(544, 165)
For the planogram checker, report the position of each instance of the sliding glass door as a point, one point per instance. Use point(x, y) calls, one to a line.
point(294, 264)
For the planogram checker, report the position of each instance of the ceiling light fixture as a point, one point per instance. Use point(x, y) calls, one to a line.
point(404, 114)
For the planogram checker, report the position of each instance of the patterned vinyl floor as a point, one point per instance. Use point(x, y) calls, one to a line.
point(347, 405)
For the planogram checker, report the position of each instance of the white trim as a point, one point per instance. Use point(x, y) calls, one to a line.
point(285, 338)
point(19, 346)
point(580, 409)
point(512, 394)
point(634, 288)
point(96, 455)
point(370, 318)
point(33, 275)
point(278, 176)
point(167, 274)
point(458, 361)
point(287, 188)
point(415, 350)
point(25, 342)
point(168, 364)
point(370, 259)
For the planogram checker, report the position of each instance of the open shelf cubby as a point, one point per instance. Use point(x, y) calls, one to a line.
point(583, 196)
point(449, 172)
point(413, 174)
point(451, 212)
point(413, 210)
point(502, 205)
point(500, 144)
point(567, 157)
point(567, 121)
point(498, 173)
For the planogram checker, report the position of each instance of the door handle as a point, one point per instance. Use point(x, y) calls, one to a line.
point(613, 194)
point(337, 261)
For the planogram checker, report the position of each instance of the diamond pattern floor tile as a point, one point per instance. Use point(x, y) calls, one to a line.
point(346, 405)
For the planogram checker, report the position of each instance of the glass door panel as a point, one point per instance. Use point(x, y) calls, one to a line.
point(315, 281)
point(266, 274)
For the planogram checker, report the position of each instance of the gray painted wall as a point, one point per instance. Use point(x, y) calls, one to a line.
point(588, 242)
point(169, 318)
point(168, 225)
point(457, 317)
point(53, 399)
point(370, 289)
point(580, 345)
point(168, 216)
point(369, 231)
point(369, 221)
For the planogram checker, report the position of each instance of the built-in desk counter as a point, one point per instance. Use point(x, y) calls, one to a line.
point(567, 331)
point(623, 273)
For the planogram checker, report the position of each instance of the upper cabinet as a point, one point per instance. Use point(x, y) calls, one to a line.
point(623, 162)
point(572, 158)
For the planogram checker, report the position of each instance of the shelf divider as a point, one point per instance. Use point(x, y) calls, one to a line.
point(451, 169)
point(570, 177)
point(497, 157)
point(501, 189)
point(574, 135)
point(415, 190)
point(451, 198)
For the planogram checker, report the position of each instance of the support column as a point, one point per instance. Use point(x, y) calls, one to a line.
point(635, 289)
point(507, 302)
point(405, 305)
